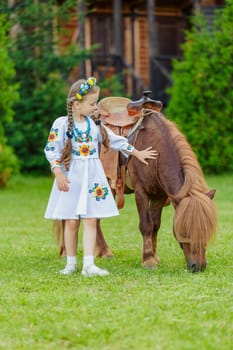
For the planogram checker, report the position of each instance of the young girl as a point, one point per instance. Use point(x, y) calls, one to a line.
point(81, 190)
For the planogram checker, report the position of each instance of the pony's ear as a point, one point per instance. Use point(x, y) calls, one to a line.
point(211, 193)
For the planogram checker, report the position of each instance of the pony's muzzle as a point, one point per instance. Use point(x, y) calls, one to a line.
point(196, 267)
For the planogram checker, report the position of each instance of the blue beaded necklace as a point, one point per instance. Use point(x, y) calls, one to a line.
point(82, 136)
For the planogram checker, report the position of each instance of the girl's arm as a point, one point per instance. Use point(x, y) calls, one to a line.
point(62, 180)
point(53, 151)
point(120, 143)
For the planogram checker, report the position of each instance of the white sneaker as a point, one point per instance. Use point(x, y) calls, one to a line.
point(69, 269)
point(93, 270)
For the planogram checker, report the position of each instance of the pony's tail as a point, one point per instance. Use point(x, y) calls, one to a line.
point(195, 220)
point(58, 230)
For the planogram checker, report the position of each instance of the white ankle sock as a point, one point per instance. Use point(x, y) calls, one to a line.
point(71, 260)
point(88, 260)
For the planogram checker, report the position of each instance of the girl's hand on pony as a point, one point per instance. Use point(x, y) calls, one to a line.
point(147, 153)
point(62, 180)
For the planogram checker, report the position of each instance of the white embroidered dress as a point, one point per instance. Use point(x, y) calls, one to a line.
point(89, 194)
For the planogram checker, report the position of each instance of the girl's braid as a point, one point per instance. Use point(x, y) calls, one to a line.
point(104, 134)
point(105, 138)
point(67, 150)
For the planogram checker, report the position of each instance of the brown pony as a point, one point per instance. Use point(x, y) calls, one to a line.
point(175, 176)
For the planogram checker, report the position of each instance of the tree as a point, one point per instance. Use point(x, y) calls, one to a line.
point(43, 66)
point(201, 97)
point(8, 91)
point(8, 95)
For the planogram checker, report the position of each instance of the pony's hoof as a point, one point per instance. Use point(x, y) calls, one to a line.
point(151, 263)
point(108, 256)
point(105, 255)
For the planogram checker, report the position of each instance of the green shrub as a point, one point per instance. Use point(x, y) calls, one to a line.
point(43, 67)
point(201, 97)
point(111, 86)
point(8, 95)
point(9, 164)
point(8, 90)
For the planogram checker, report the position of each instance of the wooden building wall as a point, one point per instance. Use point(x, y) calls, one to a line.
point(171, 17)
point(171, 21)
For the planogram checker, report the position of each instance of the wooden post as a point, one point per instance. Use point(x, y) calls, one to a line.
point(196, 5)
point(153, 45)
point(118, 33)
point(134, 82)
point(81, 36)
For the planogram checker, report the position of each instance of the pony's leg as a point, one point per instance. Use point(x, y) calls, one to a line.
point(156, 210)
point(101, 248)
point(146, 227)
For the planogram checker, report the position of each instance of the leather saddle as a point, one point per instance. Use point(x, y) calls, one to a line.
point(120, 114)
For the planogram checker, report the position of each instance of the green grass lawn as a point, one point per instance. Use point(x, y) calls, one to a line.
point(162, 309)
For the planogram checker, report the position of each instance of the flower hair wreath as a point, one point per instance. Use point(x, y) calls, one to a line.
point(85, 87)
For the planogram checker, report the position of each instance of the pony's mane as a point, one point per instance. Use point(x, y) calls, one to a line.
point(194, 180)
point(195, 217)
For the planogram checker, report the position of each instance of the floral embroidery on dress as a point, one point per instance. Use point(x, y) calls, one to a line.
point(53, 135)
point(51, 138)
point(49, 148)
point(55, 163)
point(84, 150)
point(99, 192)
